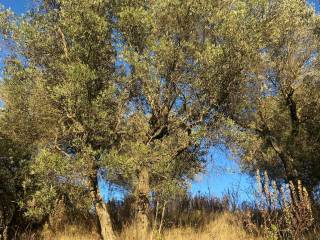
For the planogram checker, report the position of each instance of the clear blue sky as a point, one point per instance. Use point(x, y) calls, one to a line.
point(222, 172)
point(18, 6)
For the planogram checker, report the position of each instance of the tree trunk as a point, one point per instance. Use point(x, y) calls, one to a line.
point(142, 203)
point(162, 216)
point(5, 233)
point(103, 217)
point(106, 231)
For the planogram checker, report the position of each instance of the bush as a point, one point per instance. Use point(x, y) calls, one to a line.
point(283, 211)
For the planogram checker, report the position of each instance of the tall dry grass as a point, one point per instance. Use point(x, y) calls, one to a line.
point(280, 212)
point(225, 226)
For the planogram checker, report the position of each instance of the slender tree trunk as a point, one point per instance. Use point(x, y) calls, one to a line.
point(162, 216)
point(5, 233)
point(103, 217)
point(142, 203)
point(155, 223)
point(106, 230)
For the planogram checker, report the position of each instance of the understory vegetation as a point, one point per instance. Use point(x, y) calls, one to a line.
point(275, 213)
point(136, 94)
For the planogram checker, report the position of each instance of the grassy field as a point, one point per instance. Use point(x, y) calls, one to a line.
point(286, 214)
point(225, 226)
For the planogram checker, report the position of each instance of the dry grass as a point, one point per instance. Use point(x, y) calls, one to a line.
point(224, 227)
point(283, 213)
point(78, 236)
point(71, 232)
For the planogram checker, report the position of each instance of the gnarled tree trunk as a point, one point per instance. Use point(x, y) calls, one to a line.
point(142, 203)
point(103, 217)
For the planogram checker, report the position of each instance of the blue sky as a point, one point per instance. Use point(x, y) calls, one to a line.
point(18, 6)
point(222, 172)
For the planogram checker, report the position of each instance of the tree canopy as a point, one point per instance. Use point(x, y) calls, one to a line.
point(136, 92)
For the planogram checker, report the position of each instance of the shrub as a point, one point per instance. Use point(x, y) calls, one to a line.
point(283, 211)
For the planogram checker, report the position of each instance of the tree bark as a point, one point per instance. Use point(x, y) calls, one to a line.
point(5, 233)
point(106, 231)
point(162, 216)
point(103, 217)
point(142, 203)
